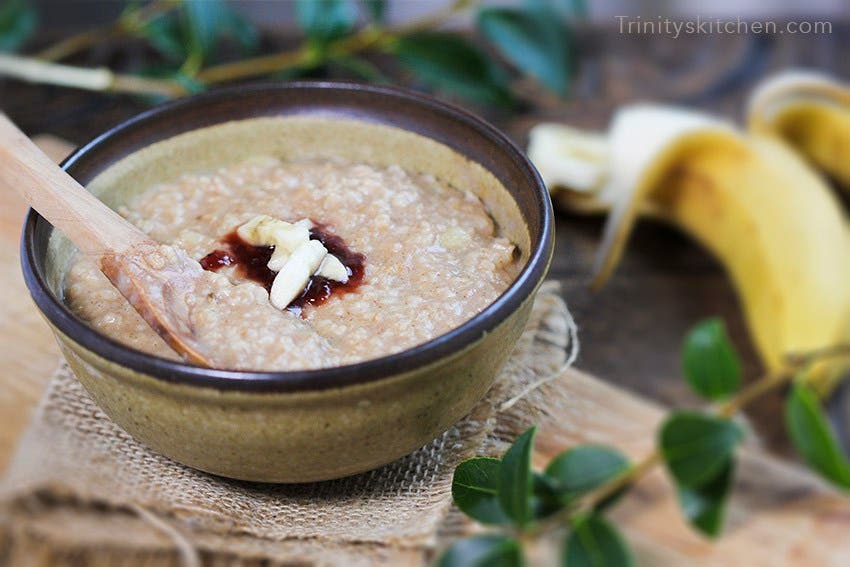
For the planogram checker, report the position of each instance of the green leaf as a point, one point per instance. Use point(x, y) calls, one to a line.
point(516, 480)
point(325, 20)
point(362, 68)
point(584, 468)
point(242, 31)
point(593, 542)
point(475, 489)
point(535, 41)
point(204, 22)
point(450, 63)
point(164, 35)
point(483, 551)
point(193, 34)
point(705, 506)
point(377, 9)
point(696, 447)
point(17, 23)
point(710, 362)
point(159, 71)
point(545, 499)
point(811, 434)
point(564, 9)
point(192, 85)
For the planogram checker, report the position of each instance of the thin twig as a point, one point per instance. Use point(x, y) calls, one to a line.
point(593, 498)
point(754, 391)
point(125, 25)
point(805, 358)
point(368, 37)
point(438, 18)
point(254, 66)
point(99, 79)
point(102, 79)
point(635, 473)
point(79, 42)
point(767, 382)
point(136, 84)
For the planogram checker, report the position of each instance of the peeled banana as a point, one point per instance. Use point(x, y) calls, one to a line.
point(752, 201)
point(809, 111)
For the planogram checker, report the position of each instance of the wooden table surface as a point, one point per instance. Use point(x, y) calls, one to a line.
point(630, 331)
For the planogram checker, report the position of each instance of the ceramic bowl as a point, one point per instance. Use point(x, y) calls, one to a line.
point(311, 425)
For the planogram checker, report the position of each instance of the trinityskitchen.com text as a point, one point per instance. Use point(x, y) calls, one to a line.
point(638, 25)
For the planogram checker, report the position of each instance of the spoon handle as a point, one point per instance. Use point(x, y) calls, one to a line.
point(92, 226)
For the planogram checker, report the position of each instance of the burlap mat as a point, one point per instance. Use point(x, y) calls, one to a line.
point(81, 491)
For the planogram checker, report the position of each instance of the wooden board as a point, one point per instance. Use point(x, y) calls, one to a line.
point(27, 348)
point(779, 514)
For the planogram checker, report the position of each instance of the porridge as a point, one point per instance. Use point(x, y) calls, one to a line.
point(394, 259)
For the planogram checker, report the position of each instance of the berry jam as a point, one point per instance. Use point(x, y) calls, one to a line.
point(251, 262)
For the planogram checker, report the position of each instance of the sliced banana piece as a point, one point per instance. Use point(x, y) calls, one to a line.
point(296, 273)
point(332, 269)
point(296, 258)
point(264, 230)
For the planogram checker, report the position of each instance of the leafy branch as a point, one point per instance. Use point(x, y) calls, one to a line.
point(697, 448)
point(534, 39)
point(130, 23)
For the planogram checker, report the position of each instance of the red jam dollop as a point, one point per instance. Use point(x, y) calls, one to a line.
point(251, 262)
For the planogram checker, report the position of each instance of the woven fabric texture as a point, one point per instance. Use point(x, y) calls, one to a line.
point(80, 490)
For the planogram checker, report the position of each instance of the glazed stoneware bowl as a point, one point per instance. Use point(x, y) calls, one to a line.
point(311, 425)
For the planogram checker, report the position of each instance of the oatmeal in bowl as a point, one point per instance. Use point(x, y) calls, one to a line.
point(368, 258)
point(414, 258)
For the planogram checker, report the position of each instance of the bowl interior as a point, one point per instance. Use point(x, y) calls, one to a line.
point(293, 138)
point(373, 125)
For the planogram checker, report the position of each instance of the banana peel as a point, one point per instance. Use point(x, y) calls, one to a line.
point(748, 198)
point(810, 111)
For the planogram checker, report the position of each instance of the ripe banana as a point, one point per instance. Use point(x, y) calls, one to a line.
point(773, 222)
point(811, 112)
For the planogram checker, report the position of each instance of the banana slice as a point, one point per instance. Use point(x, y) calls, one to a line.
point(811, 112)
point(296, 272)
point(296, 258)
point(264, 230)
point(332, 269)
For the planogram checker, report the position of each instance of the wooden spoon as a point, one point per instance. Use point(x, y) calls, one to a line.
point(156, 285)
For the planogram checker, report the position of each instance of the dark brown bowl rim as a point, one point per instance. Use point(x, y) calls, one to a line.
point(408, 360)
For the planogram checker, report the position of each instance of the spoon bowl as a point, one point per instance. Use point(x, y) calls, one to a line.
point(158, 292)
